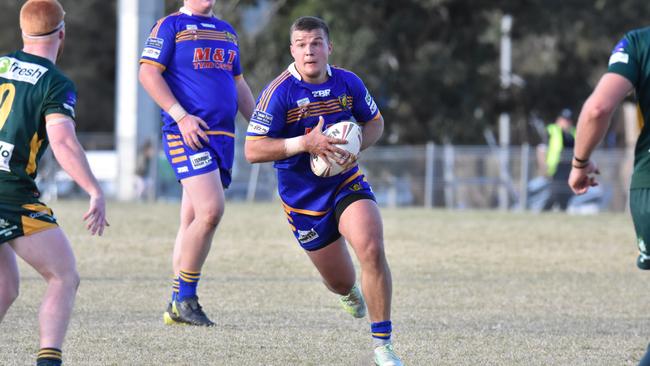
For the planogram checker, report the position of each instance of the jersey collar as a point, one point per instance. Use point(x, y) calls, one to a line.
point(293, 71)
point(187, 11)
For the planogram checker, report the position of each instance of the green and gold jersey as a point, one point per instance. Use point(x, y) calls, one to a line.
point(31, 87)
point(631, 59)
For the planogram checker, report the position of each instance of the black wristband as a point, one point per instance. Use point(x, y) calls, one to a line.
point(581, 161)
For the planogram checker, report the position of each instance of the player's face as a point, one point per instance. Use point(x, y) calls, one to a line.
point(311, 50)
point(201, 7)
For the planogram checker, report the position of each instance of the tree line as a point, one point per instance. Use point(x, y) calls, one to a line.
point(432, 65)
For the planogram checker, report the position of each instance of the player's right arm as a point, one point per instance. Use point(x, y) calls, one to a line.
point(192, 128)
point(71, 157)
point(264, 149)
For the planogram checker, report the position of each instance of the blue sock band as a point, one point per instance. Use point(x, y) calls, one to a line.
point(381, 330)
point(187, 284)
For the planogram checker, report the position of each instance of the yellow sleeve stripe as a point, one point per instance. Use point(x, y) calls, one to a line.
point(157, 64)
point(251, 138)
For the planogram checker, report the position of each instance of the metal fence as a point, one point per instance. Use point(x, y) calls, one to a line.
point(449, 176)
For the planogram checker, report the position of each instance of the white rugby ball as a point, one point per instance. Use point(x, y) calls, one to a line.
point(346, 130)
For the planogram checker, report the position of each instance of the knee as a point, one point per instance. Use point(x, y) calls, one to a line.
point(212, 215)
point(69, 279)
point(340, 286)
point(372, 253)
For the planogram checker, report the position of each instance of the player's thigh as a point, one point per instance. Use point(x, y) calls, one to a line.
point(360, 223)
point(9, 277)
point(205, 192)
point(48, 252)
point(333, 262)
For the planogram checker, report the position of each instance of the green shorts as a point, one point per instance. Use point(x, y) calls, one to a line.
point(21, 220)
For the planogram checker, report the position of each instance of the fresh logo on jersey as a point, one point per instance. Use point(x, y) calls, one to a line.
point(151, 53)
point(6, 151)
point(200, 160)
point(321, 93)
point(207, 58)
point(305, 237)
point(208, 25)
point(13, 69)
point(370, 102)
point(155, 42)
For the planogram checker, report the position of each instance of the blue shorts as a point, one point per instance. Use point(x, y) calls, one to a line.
point(316, 230)
point(219, 154)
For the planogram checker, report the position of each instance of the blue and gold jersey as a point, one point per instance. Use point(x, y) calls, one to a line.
point(200, 59)
point(289, 107)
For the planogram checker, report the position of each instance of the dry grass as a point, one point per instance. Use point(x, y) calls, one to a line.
point(470, 288)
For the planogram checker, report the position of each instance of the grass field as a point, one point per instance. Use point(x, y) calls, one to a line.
point(470, 288)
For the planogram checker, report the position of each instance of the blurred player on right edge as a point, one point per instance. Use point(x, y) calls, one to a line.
point(629, 70)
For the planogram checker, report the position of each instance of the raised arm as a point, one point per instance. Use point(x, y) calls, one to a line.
point(71, 157)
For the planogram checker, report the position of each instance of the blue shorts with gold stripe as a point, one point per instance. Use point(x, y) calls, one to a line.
point(317, 229)
point(219, 154)
point(21, 220)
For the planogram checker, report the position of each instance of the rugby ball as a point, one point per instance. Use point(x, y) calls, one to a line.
point(346, 130)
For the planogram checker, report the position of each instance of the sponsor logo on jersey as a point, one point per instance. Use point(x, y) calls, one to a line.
point(208, 58)
point(41, 214)
point(619, 57)
point(356, 187)
point(262, 117)
point(208, 25)
point(302, 102)
point(321, 93)
point(191, 27)
point(6, 151)
point(200, 160)
point(6, 229)
point(151, 53)
point(257, 128)
point(343, 102)
point(155, 42)
point(182, 169)
point(370, 102)
point(13, 69)
point(305, 237)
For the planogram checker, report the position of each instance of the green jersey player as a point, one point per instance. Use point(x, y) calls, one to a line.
point(36, 109)
point(629, 70)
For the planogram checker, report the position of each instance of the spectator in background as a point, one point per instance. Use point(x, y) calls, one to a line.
point(561, 138)
point(144, 181)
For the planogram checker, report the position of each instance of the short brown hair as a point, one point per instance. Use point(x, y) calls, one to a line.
point(40, 17)
point(308, 23)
